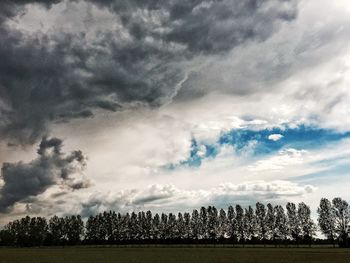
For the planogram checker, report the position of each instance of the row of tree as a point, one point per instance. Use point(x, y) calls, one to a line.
point(264, 224)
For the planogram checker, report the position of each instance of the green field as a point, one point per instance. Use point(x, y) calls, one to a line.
point(173, 254)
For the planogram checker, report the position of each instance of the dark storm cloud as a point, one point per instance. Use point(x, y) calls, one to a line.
point(23, 181)
point(203, 26)
point(61, 76)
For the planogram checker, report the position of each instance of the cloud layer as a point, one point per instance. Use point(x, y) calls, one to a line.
point(62, 74)
point(157, 197)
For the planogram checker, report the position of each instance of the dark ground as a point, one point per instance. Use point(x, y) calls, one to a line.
point(174, 254)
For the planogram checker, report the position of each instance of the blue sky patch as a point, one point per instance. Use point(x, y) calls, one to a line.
point(302, 137)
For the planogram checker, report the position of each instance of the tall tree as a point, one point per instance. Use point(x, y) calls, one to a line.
point(164, 227)
point(203, 219)
point(240, 223)
point(57, 229)
point(148, 225)
point(222, 224)
point(195, 225)
point(38, 231)
point(280, 223)
point(249, 223)
point(90, 233)
point(156, 226)
point(342, 218)
point(232, 224)
point(171, 226)
point(294, 227)
point(141, 226)
point(114, 227)
point(306, 224)
point(74, 228)
point(128, 229)
point(133, 227)
point(108, 223)
point(187, 226)
point(101, 228)
point(260, 214)
point(180, 227)
point(6, 238)
point(326, 219)
point(212, 224)
point(270, 222)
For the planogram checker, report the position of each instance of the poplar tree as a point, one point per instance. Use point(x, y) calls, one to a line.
point(260, 214)
point(74, 227)
point(222, 224)
point(57, 234)
point(195, 225)
point(232, 224)
point(164, 226)
point(203, 219)
point(281, 223)
point(249, 223)
point(326, 219)
point(342, 218)
point(212, 223)
point(156, 227)
point(240, 223)
point(180, 227)
point(306, 224)
point(171, 226)
point(187, 226)
point(294, 227)
point(270, 222)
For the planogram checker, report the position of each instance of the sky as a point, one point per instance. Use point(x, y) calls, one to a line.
point(172, 105)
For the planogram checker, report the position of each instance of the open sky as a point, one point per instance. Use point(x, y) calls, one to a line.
point(171, 105)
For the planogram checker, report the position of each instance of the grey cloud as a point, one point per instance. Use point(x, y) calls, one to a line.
point(23, 181)
point(10, 8)
point(261, 67)
point(203, 26)
point(59, 76)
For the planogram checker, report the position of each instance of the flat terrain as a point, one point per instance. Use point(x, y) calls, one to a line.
point(173, 254)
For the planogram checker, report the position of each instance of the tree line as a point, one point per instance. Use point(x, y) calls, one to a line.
point(268, 224)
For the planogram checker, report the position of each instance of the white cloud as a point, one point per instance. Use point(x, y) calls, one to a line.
point(284, 158)
point(275, 137)
point(168, 197)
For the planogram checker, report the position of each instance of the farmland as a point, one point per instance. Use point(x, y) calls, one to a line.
point(173, 254)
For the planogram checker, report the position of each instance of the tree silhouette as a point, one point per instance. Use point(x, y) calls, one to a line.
point(240, 223)
point(261, 226)
point(195, 225)
point(270, 223)
point(265, 224)
point(306, 224)
point(293, 222)
point(250, 227)
point(232, 225)
point(326, 219)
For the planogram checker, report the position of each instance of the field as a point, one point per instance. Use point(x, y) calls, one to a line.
point(173, 254)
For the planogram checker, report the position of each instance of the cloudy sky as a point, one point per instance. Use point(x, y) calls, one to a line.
point(171, 105)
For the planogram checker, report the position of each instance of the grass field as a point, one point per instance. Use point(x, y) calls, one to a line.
point(173, 254)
